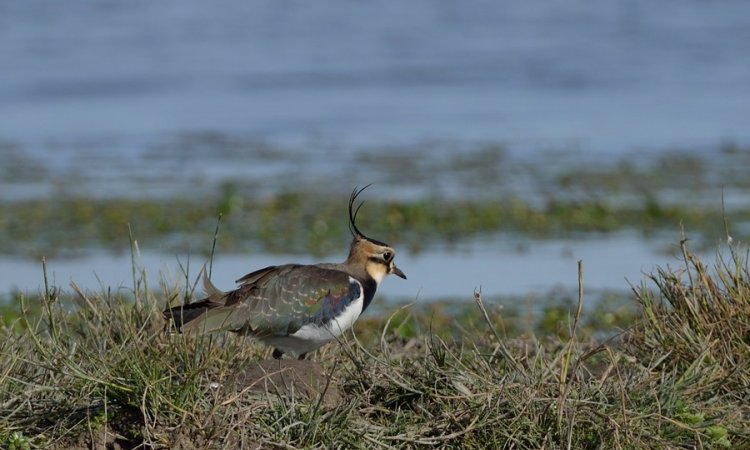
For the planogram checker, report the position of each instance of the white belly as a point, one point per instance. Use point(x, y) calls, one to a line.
point(311, 336)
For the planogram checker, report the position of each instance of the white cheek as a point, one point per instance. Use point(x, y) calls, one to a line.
point(377, 272)
point(378, 276)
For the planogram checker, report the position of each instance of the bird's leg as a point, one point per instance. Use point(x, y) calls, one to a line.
point(277, 353)
point(302, 356)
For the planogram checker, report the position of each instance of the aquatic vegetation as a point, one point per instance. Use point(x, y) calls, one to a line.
point(429, 194)
point(300, 222)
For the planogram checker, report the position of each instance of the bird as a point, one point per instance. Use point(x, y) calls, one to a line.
point(295, 308)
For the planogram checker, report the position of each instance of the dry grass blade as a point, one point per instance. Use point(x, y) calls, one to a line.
point(108, 374)
point(507, 355)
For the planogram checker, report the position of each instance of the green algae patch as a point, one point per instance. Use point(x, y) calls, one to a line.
point(309, 223)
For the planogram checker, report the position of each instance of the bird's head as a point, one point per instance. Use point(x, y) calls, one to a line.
point(376, 257)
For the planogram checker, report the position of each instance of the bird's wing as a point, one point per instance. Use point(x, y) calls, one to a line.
point(279, 300)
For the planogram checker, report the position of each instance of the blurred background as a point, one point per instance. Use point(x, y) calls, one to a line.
point(504, 140)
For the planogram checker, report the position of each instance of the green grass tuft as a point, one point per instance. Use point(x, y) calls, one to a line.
point(83, 369)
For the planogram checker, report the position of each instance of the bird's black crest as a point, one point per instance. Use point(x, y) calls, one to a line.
point(353, 211)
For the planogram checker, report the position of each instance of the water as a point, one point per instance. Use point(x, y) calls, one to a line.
point(145, 98)
point(607, 76)
point(500, 269)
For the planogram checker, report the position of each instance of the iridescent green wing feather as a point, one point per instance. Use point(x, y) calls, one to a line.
point(278, 300)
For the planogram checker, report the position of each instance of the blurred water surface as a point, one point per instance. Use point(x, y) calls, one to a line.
point(144, 98)
point(542, 269)
point(608, 76)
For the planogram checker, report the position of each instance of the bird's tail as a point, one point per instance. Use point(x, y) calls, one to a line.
point(184, 314)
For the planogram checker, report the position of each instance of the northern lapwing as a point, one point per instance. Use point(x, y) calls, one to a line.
point(295, 308)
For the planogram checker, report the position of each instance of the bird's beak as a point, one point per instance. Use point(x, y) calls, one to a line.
point(396, 271)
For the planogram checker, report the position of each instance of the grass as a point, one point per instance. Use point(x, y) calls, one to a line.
point(83, 370)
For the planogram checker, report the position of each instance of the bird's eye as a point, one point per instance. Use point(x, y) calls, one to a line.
point(387, 256)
